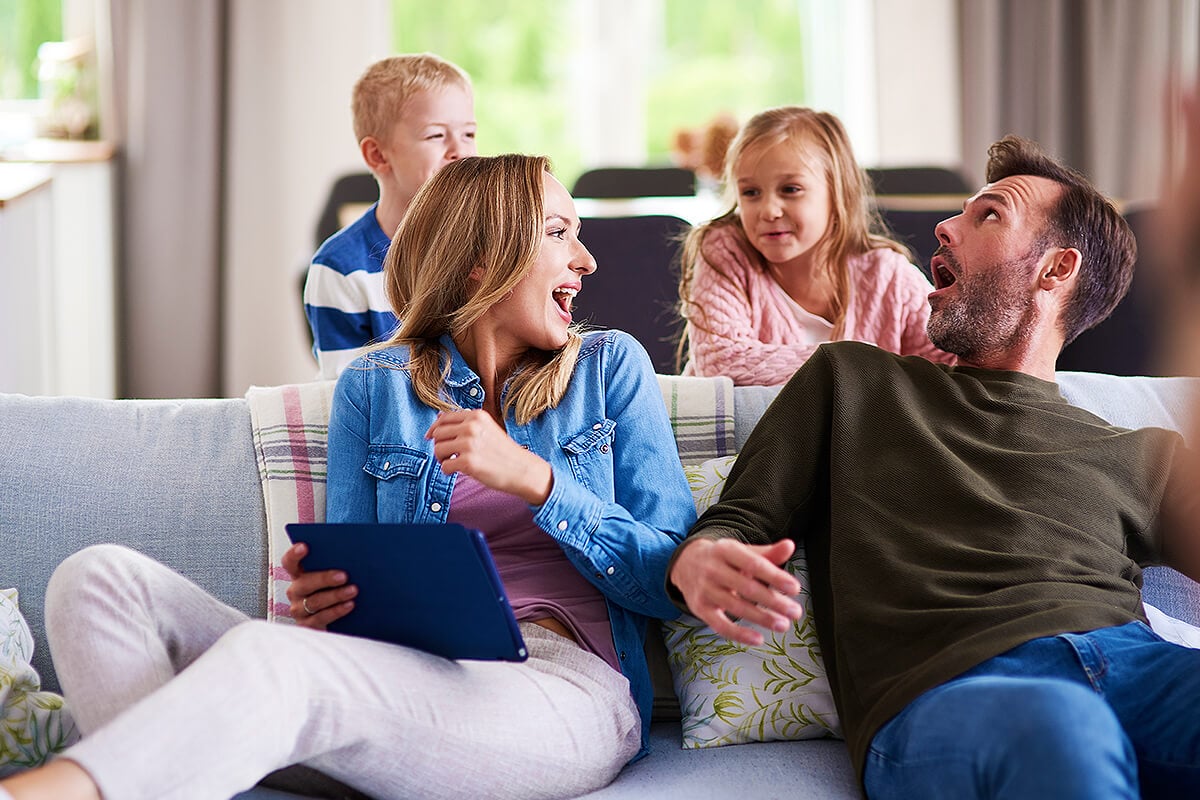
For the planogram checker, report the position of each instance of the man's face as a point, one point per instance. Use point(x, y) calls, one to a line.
point(986, 269)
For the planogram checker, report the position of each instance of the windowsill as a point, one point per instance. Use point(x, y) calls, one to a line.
point(59, 151)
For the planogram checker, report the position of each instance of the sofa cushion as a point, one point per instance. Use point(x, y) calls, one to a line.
point(33, 723)
point(730, 693)
point(290, 428)
point(174, 479)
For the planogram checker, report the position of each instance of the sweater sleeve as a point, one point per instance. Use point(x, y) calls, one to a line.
point(776, 486)
point(722, 335)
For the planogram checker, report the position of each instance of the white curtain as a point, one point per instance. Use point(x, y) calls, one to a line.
point(167, 67)
point(1088, 79)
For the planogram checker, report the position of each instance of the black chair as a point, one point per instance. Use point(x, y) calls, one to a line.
point(1129, 341)
point(356, 188)
point(610, 182)
point(918, 180)
point(635, 285)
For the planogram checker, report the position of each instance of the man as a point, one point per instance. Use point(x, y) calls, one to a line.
point(974, 542)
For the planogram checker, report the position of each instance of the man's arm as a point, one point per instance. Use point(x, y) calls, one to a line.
point(729, 565)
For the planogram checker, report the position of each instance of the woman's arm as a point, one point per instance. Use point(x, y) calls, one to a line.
point(623, 546)
point(349, 490)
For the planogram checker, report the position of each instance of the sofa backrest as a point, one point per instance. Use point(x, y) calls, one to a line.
point(175, 479)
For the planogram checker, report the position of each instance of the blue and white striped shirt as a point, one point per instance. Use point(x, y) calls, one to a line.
point(344, 298)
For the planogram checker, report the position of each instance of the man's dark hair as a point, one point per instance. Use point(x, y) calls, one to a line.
point(1084, 219)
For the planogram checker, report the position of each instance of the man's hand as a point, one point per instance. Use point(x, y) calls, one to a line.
point(724, 578)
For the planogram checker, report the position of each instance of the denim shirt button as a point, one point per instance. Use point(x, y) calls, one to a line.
point(474, 391)
point(562, 525)
point(387, 465)
point(611, 570)
point(597, 426)
point(603, 448)
point(435, 507)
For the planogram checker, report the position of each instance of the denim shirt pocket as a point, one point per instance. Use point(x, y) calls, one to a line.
point(590, 456)
point(398, 471)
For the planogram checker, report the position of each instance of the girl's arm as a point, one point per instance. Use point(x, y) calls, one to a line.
point(723, 337)
point(623, 546)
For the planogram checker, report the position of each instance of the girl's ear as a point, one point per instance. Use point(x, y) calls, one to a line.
point(476, 274)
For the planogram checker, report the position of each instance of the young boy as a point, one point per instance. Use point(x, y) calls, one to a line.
point(413, 114)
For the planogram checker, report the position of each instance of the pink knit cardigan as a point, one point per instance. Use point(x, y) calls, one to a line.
point(750, 332)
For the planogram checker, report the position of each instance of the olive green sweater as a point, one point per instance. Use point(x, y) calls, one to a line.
point(948, 515)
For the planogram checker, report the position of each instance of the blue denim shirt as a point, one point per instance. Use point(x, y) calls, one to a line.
point(619, 503)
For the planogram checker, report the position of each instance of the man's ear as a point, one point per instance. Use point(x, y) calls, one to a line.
point(1061, 269)
point(373, 154)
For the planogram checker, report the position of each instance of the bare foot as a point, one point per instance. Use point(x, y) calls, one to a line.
point(61, 779)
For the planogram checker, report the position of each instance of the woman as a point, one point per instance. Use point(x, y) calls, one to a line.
point(486, 408)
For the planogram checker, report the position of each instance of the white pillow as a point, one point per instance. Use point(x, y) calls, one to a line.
point(731, 693)
point(33, 724)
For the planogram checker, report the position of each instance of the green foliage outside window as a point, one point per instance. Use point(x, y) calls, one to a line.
point(25, 25)
point(715, 57)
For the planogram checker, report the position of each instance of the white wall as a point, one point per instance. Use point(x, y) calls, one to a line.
point(918, 90)
point(292, 66)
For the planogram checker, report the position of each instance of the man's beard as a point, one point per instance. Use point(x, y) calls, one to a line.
point(990, 312)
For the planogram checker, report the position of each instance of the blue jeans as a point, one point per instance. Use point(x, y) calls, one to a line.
point(1114, 713)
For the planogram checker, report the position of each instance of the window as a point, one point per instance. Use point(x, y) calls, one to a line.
point(29, 23)
point(608, 82)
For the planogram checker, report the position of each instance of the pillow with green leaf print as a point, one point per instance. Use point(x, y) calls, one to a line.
point(33, 724)
point(730, 693)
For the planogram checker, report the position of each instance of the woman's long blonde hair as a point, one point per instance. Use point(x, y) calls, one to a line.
point(469, 236)
point(855, 226)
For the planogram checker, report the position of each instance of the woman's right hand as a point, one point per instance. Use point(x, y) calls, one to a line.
point(317, 598)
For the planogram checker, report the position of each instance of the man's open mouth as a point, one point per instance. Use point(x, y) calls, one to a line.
point(942, 275)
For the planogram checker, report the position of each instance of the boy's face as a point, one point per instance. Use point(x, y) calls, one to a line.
point(435, 128)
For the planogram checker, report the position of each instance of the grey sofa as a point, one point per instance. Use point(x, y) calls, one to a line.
point(178, 480)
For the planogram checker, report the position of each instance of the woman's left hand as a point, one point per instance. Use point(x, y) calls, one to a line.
point(473, 443)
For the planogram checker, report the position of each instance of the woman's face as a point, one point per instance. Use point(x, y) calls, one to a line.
point(537, 312)
point(783, 202)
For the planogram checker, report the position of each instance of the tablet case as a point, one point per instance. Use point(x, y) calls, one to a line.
point(432, 587)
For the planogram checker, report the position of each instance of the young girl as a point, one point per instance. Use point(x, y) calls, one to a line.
point(486, 408)
point(794, 263)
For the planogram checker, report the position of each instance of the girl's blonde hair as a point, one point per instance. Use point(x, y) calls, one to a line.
point(854, 228)
point(471, 234)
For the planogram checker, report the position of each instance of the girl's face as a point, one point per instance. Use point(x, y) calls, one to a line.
point(783, 202)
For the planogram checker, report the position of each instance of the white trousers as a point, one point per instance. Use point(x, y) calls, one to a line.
point(181, 696)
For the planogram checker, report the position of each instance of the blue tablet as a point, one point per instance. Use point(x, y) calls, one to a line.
point(432, 587)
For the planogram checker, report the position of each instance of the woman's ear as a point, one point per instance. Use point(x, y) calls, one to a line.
point(476, 274)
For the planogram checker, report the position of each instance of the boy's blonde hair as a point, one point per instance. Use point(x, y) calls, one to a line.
point(855, 226)
point(481, 215)
point(381, 93)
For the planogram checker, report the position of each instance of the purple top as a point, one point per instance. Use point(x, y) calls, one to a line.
point(539, 579)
